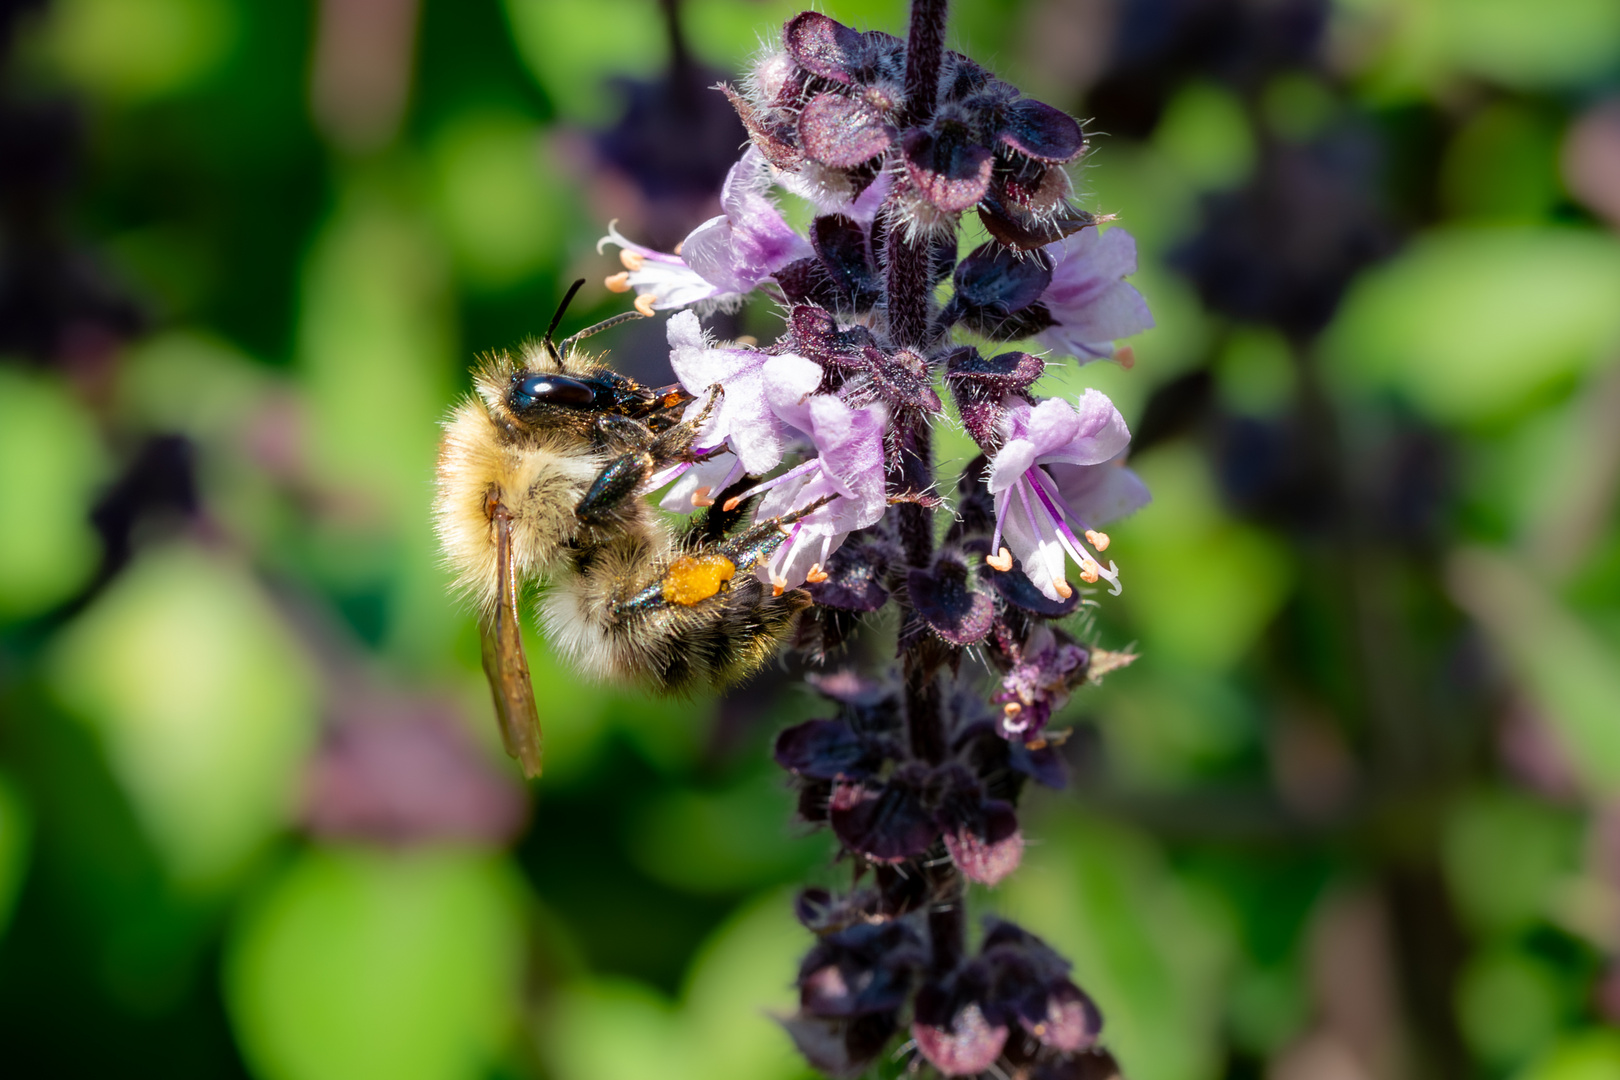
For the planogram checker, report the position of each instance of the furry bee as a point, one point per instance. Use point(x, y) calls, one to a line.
point(540, 476)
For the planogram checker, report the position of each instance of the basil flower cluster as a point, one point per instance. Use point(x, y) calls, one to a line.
point(918, 770)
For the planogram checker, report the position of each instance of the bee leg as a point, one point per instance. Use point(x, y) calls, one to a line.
point(618, 482)
point(675, 444)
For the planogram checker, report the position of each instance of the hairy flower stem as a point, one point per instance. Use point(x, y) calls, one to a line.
point(910, 284)
point(909, 278)
point(925, 49)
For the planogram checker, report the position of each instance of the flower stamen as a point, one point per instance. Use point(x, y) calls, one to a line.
point(1002, 560)
point(1098, 540)
point(619, 282)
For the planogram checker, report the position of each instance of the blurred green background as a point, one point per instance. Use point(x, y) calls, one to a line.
point(1352, 814)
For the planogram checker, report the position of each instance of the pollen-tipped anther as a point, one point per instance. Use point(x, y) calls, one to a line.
point(1098, 540)
point(700, 497)
point(644, 304)
point(632, 261)
point(1002, 560)
point(619, 282)
point(815, 575)
point(1064, 589)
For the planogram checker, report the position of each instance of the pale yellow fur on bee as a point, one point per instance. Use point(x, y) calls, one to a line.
point(539, 486)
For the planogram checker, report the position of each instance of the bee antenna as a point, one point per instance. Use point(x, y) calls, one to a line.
point(605, 324)
point(562, 308)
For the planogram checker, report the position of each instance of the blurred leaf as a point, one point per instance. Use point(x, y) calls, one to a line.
point(1503, 165)
point(395, 965)
point(51, 463)
point(727, 34)
point(1148, 949)
point(1469, 324)
point(1198, 586)
point(1205, 134)
point(203, 702)
point(1256, 373)
point(740, 979)
point(1419, 47)
point(191, 382)
point(1569, 674)
point(572, 47)
point(1585, 1055)
point(1174, 724)
point(377, 350)
point(616, 1029)
point(724, 841)
point(1509, 1005)
point(138, 50)
point(1531, 44)
point(376, 344)
point(16, 829)
point(505, 211)
point(1504, 854)
point(1268, 1007)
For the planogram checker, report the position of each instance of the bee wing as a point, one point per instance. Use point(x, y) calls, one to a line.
point(504, 663)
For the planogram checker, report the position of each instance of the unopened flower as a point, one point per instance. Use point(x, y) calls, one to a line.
point(966, 1046)
point(829, 113)
point(1088, 300)
point(721, 260)
point(1046, 496)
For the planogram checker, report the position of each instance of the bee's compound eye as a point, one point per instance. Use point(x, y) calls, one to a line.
point(552, 390)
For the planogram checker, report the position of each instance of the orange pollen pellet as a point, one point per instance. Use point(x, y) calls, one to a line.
point(1064, 589)
point(816, 575)
point(700, 497)
point(619, 282)
point(1099, 540)
point(693, 578)
point(644, 304)
point(1002, 560)
point(632, 260)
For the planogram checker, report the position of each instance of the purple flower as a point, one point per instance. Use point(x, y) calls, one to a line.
point(721, 260)
point(848, 470)
point(742, 435)
point(1046, 487)
point(1039, 683)
point(1088, 298)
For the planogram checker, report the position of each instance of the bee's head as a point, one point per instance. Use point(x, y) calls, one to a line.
point(554, 386)
point(542, 398)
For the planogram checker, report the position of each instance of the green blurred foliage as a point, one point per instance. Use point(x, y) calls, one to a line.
point(353, 964)
point(1313, 715)
point(50, 467)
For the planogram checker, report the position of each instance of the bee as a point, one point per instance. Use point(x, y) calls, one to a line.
point(540, 477)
